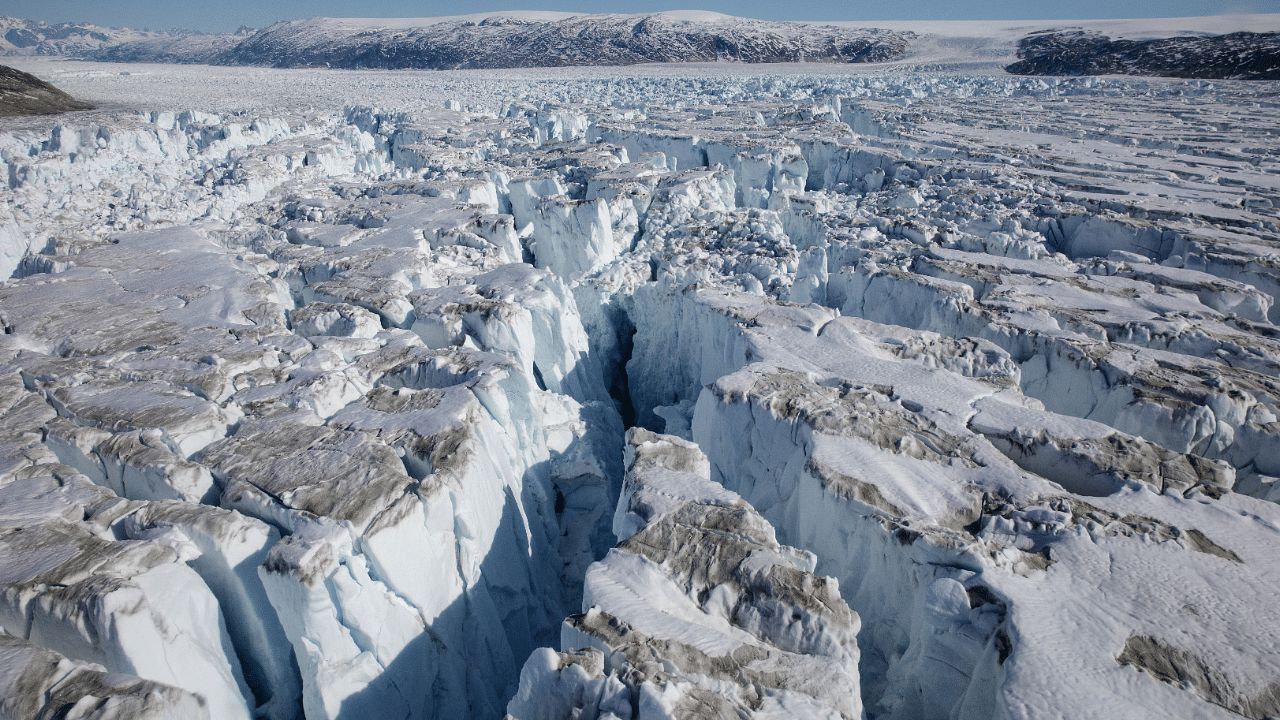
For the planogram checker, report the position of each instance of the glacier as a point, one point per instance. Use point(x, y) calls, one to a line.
point(640, 393)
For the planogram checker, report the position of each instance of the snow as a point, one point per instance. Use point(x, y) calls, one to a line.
point(682, 612)
point(36, 681)
point(404, 23)
point(316, 385)
point(129, 607)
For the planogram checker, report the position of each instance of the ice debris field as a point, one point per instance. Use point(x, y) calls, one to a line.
point(636, 394)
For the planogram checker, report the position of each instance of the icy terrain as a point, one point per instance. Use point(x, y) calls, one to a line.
point(967, 384)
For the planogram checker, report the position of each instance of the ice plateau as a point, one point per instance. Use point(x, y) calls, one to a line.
point(683, 392)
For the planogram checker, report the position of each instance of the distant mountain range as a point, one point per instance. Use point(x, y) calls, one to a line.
point(544, 39)
point(511, 42)
point(20, 37)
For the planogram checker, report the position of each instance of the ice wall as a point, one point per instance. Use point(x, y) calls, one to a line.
point(697, 612)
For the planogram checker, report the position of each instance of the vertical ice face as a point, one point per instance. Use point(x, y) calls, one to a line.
point(346, 628)
point(225, 550)
point(131, 607)
point(519, 311)
point(375, 621)
point(697, 612)
point(897, 499)
point(627, 190)
point(572, 237)
point(36, 681)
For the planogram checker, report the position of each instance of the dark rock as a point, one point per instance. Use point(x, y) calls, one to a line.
point(24, 94)
point(1237, 56)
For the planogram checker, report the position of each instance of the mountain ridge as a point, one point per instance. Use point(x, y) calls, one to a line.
point(511, 41)
point(1234, 56)
point(20, 37)
point(1210, 47)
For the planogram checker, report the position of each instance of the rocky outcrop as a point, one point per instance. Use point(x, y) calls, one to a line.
point(1236, 56)
point(25, 94)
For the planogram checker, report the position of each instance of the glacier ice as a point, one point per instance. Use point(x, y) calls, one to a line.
point(968, 387)
point(37, 682)
point(131, 607)
point(697, 612)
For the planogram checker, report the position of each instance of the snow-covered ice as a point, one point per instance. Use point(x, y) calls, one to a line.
point(698, 612)
point(333, 394)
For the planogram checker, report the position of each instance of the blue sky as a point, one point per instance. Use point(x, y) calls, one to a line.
point(226, 15)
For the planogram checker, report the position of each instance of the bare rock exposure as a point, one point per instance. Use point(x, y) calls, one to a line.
point(25, 94)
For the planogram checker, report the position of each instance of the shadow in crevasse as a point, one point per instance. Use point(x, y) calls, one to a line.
point(467, 663)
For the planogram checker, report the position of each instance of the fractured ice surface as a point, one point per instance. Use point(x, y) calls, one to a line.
point(971, 389)
point(37, 681)
point(131, 607)
point(698, 612)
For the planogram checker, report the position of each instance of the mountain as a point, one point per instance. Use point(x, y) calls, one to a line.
point(193, 49)
point(25, 94)
point(1234, 56)
point(1218, 47)
point(20, 37)
point(520, 41)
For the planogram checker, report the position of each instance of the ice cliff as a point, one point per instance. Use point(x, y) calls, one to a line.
point(698, 612)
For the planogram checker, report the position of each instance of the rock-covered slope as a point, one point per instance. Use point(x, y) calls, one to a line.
point(322, 414)
point(505, 42)
point(1235, 56)
point(166, 48)
point(25, 94)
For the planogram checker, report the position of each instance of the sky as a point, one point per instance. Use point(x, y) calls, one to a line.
point(227, 15)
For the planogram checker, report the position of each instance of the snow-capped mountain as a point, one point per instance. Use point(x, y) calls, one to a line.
point(183, 48)
point(1238, 56)
point(1242, 47)
point(507, 40)
point(20, 37)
